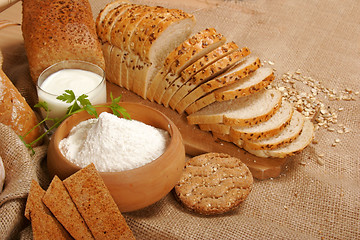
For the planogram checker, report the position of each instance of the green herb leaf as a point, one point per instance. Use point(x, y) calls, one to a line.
point(68, 96)
point(43, 105)
point(91, 110)
point(83, 100)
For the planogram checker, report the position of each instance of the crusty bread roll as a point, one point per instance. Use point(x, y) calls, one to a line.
point(54, 31)
point(14, 110)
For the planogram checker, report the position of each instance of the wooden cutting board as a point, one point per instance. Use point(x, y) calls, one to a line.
point(197, 141)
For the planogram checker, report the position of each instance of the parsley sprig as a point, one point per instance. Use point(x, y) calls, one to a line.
point(78, 104)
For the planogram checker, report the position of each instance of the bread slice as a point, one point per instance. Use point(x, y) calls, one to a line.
point(59, 202)
point(44, 225)
point(104, 28)
point(301, 142)
point(265, 129)
point(254, 82)
point(198, 66)
point(203, 76)
point(172, 56)
point(91, 197)
point(283, 138)
point(237, 73)
point(104, 16)
point(245, 111)
point(183, 56)
point(116, 59)
point(171, 28)
point(128, 26)
point(257, 132)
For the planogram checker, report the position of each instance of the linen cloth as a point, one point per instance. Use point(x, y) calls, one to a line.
point(318, 196)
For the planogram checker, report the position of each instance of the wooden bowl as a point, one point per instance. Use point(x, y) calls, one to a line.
point(131, 189)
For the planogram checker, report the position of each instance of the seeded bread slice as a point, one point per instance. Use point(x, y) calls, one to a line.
point(254, 82)
point(105, 28)
point(175, 28)
point(285, 137)
point(183, 56)
point(301, 142)
point(194, 39)
point(257, 132)
point(237, 73)
point(266, 129)
point(104, 15)
point(203, 76)
point(128, 27)
point(198, 66)
point(147, 42)
point(245, 111)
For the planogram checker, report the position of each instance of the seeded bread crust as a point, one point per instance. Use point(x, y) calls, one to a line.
point(117, 32)
point(266, 129)
point(232, 91)
point(194, 39)
point(151, 31)
point(129, 26)
point(104, 15)
point(214, 183)
point(210, 58)
point(196, 67)
point(202, 44)
point(203, 76)
point(283, 138)
point(144, 66)
point(105, 26)
point(240, 112)
point(299, 144)
point(243, 69)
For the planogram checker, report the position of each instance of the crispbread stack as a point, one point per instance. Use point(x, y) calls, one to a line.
point(80, 207)
point(219, 85)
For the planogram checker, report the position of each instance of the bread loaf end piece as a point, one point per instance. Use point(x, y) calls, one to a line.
point(54, 31)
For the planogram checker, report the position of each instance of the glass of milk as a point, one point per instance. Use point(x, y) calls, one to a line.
point(79, 76)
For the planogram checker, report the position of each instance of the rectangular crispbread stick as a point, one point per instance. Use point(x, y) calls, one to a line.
point(44, 224)
point(59, 202)
point(95, 204)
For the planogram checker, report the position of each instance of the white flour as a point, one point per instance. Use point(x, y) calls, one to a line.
point(113, 144)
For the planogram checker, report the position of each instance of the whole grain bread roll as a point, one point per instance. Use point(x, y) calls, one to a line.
point(14, 110)
point(59, 30)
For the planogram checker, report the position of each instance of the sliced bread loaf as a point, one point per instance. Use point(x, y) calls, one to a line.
point(195, 39)
point(245, 111)
point(301, 142)
point(188, 56)
point(283, 138)
point(198, 66)
point(236, 73)
point(171, 28)
point(254, 82)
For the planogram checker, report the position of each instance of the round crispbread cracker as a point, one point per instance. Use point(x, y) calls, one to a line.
point(214, 183)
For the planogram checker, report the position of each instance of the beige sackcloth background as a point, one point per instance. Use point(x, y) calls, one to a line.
point(317, 197)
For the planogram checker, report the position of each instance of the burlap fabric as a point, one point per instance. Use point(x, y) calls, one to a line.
point(318, 197)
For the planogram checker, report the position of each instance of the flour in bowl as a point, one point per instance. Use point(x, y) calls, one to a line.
point(113, 144)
